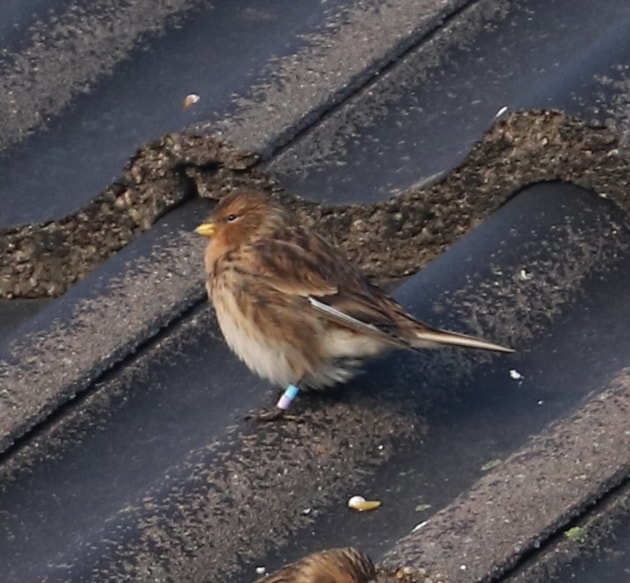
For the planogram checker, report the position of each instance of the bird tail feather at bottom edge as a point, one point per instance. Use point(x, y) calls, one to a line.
point(434, 338)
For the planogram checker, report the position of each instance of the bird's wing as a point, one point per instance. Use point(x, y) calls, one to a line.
point(335, 315)
point(337, 290)
point(293, 269)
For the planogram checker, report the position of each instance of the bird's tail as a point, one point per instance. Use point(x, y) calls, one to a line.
point(432, 337)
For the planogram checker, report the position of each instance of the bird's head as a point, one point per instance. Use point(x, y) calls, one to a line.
point(239, 218)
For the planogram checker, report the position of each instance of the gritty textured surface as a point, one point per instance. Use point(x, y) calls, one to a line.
point(489, 297)
point(378, 131)
point(163, 425)
point(62, 358)
point(176, 504)
point(390, 239)
point(64, 57)
point(236, 493)
point(527, 147)
point(205, 516)
point(598, 540)
point(366, 37)
point(90, 81)
point(516, 507)
point(45, 260)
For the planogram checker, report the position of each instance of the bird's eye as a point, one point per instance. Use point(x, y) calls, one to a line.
point(231, 218)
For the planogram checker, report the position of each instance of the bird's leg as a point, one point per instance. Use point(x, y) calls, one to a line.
point(281, 408)
point(289, 395)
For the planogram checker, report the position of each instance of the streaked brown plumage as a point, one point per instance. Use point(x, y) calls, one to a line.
point(292, 307)
point(345, 565)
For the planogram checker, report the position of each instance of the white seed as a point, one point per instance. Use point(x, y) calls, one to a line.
point(501, 111)
point(190, 100)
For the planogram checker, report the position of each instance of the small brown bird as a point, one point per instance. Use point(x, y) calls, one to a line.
point(293, 308)
point(346, 565)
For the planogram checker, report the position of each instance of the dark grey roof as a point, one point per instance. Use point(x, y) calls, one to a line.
point(125, 453)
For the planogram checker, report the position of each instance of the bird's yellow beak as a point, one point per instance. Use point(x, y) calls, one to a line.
point(205, 229)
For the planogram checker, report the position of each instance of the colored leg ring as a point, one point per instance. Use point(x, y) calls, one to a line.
point(287, 397)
